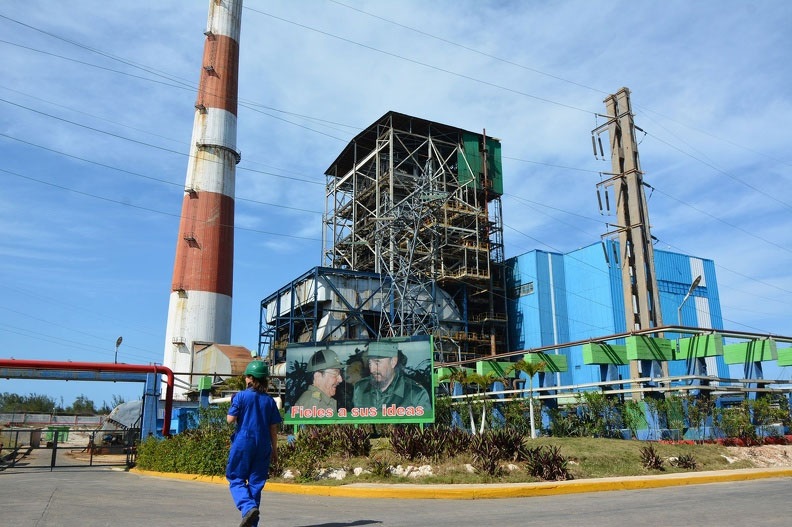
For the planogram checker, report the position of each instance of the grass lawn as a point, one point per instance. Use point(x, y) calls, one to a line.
point(588, 458)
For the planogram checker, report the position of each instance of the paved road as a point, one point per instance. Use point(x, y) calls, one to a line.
point(72, 496)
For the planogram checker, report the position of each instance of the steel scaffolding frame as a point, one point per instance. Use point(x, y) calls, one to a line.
point(396, 205)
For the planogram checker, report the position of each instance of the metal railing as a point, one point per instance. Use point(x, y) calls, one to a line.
point(717, 386)
point(57, 439)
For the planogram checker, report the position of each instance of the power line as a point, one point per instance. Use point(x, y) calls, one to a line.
point(72, 109)
point(424, 64)
point(473, 50)
point(117, 202)
point(150, 145)
point(703, 162)
point(190, 88)
point(552, 165)
point(137, 174)
point(56, 340)
point(49, 300)
point(550, 75)
point(737, 227)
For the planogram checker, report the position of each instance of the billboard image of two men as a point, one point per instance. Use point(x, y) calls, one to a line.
point(387, 380)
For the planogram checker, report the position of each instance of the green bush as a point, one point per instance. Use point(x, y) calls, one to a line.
point(202, 450)
point(547, 464)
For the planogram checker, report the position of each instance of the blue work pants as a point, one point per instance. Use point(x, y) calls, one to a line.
point(247, 470)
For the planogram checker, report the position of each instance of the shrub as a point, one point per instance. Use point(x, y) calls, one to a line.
point(650, 459)
point(410, 442)
point(517, 414)
point(354, 441)
point(735, 422)
point(547, 463)
point(487, 454)
point(457, 442)
point(600, 411)
point(686, 461)
point(380, 467)
point(306, 460)
point(508, 442)
point(632, 417)
point(203, 450)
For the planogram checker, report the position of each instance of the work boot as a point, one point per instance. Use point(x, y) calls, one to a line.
point(250, 518)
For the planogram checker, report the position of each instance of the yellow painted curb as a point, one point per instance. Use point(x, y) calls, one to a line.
point(514, 490)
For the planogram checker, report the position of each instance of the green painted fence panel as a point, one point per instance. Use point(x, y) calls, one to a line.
point(648, 348)
point(555, 363)
point(752, 351)
point(499, 368)
point(604, 353)
point(785, 357)
point(700, 346)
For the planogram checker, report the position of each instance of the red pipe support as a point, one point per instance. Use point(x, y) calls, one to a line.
point(102, 366)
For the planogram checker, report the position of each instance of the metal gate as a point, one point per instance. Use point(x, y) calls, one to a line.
point(61, 446)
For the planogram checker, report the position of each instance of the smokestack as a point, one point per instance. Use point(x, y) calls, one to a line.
point(199, 311)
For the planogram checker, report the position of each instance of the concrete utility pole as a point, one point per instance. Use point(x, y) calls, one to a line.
point(639, 283)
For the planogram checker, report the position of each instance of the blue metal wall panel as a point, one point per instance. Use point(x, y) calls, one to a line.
point(589, 304)
point(587, 291)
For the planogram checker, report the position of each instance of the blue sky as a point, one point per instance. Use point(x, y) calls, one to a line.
point(710, 84)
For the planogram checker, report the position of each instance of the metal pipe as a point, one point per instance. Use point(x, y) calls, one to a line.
point(605, 338)
point(102, 366)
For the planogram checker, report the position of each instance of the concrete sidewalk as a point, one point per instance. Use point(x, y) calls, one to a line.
point(504, 490)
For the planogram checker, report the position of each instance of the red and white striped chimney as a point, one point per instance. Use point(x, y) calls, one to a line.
point(199, 311)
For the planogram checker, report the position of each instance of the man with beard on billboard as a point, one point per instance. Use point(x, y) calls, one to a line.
point(325, 370)
point(387, 385)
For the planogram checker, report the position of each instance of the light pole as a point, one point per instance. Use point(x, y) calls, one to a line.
point(693, 286)
point(118, 343)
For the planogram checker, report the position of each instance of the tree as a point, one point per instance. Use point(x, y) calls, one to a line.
point(482, 382)
point(529, 369)
point(82, 405)
point(35, 403)
point(461, 376)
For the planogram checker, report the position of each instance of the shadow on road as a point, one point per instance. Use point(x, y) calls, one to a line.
point(343, 524)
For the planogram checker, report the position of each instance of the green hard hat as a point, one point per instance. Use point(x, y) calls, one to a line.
point(257, 369)
point(378, 349)
point(323, 359)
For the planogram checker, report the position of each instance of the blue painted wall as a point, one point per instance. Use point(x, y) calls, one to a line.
point(557, 298)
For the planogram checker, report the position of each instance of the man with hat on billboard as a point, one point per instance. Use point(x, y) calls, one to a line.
point(387, 385)
point(325, 369)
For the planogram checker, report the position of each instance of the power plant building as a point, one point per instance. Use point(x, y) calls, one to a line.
point(556, 298)
point(413, 245)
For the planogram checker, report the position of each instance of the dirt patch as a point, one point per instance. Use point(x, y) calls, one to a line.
point(763, 456)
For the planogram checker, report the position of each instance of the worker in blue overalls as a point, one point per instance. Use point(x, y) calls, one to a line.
point(254, 444)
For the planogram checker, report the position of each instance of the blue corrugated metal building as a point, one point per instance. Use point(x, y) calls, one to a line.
point(556, 298)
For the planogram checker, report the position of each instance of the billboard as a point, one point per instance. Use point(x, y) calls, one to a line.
point(360, 381)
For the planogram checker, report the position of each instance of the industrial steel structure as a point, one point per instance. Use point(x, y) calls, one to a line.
point(416, 206)
point(199, 312)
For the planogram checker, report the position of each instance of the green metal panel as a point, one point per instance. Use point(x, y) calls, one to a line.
point(470, 164)
point(205, 383)
point(642, 347)
point(752, 351)
point(604, 353)
point(700, 346)
point(555, 363)
point(785, 357)
point(496, 367)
